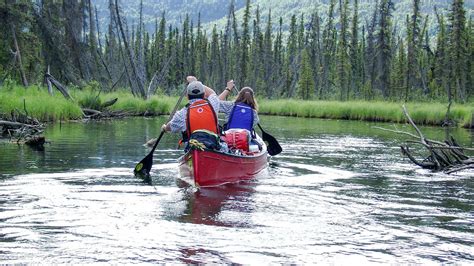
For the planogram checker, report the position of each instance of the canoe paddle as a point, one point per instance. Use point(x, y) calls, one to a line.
point(273, 146)
point(142, 169)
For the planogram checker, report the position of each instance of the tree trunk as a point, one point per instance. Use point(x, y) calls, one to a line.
point(18, 56)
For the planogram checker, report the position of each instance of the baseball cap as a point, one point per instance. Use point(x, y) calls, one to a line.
point(195, 88)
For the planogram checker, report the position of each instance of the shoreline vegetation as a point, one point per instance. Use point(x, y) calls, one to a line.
point(36, 102)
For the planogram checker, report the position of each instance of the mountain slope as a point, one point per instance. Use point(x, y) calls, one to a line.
point(215, 11)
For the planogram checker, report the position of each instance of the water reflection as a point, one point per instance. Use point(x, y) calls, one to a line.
point(207, 205)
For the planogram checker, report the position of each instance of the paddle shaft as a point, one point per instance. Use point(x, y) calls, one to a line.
point(169, 119)
point(146, 163)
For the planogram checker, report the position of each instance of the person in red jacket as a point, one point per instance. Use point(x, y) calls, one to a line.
point(199, 117)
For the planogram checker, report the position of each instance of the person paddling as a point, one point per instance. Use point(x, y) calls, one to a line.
point(243, 111)
point(198, 120)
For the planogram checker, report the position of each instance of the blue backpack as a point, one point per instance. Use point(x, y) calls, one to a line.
point(241, 116)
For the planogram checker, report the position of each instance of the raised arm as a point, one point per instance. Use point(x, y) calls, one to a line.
point(207, 91)
point(230, 86)
point(190, 79)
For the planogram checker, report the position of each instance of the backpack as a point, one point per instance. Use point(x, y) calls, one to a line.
point(203, 139)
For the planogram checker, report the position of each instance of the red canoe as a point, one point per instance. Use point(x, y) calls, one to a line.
point(212, 168)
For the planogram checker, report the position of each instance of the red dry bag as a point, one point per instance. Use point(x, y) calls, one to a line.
point(237, 139)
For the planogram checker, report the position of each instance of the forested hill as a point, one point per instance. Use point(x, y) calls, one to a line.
point(215, 11)
point(174, 10)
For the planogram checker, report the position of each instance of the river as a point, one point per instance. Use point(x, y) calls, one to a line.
point(340, 193)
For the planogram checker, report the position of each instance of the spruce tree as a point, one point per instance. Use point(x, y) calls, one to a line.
point(215, 60)
point(343, 63)
point(441, 60)
point(383, 48)
point(355, 64)
point(397, 83)
point(290, 60)
point(329, 46)
point(278, 69)
point(244, 47)
point(315, 51)
point(268, 57)
point(413, 42)
point(305, 81)
point(458, 49)
point(256, 60)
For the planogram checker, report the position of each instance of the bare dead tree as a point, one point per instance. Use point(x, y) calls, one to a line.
point(447, 156)
point(156, 79)
point(18, 57)
point(129, 52)
point(48, 82)
point(100, 47)
point(51, 80)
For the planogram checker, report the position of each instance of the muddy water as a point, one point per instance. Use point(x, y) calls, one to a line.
point(339, 193)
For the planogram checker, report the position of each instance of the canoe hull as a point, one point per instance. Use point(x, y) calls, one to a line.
point(212, 168)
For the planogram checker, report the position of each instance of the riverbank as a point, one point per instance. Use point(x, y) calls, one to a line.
point(36, 102)
point(429, 113)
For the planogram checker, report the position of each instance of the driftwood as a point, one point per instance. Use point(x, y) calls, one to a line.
point(447, 156)
point(51, 80)
point(21, 128)
point(103, 112)
point(95, 114)
point(109, 103)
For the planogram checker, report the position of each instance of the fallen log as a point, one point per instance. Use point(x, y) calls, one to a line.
point(90, 112)
point(95, 114)
point(109, 103)
point(20, 127)
point(447, 156)
point(51, 80)
point(11, 124)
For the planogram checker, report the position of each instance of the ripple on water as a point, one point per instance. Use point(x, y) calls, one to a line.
point(337, 196)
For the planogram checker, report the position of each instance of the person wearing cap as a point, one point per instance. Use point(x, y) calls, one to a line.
point(242, 112)
point(199, 114)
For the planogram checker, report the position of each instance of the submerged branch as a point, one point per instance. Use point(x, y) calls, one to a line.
point(445, 156)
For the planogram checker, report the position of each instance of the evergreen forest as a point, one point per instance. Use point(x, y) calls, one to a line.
point(333, 53)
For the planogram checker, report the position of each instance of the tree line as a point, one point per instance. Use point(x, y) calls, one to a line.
point(336, 55)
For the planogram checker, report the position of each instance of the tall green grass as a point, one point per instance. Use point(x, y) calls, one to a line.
point(156, 105)
point(421, 113)
point(41, 105)
point(37, 103)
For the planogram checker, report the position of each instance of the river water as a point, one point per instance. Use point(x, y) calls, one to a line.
point(340, 193)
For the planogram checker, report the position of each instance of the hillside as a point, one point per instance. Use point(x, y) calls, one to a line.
point(215, 11)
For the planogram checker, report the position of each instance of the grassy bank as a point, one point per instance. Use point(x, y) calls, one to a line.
point(38, 103)
point(156, 105)
point(432, 113)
